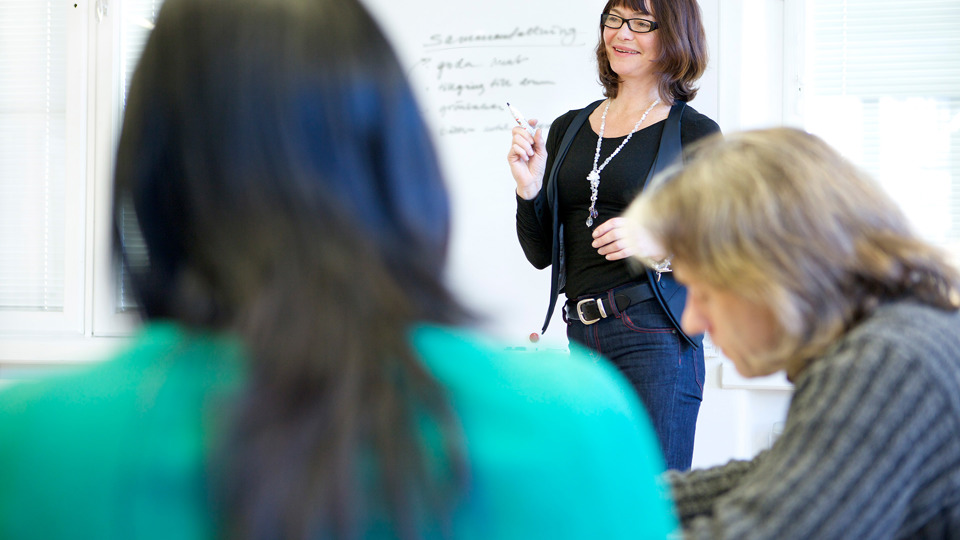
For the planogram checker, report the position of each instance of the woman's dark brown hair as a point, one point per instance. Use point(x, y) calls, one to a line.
point(683, 47)
point(286, 189)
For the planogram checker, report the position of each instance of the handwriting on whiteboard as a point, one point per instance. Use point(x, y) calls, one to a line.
point(465, 79)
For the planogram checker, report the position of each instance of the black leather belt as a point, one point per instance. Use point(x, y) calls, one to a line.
point(593, 308)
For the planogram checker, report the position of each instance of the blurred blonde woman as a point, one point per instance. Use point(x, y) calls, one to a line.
point(795, 260)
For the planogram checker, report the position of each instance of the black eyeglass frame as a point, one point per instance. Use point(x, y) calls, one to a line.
point(605, 18)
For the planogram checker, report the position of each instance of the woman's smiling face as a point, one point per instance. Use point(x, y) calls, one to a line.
point(631, 55)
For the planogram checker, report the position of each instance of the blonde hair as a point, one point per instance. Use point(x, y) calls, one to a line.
point(782, 219)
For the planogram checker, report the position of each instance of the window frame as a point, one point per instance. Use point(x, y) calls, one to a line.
point(106, 319)
point(88, 328)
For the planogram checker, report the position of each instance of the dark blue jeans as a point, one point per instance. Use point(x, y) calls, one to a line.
point(666, 371)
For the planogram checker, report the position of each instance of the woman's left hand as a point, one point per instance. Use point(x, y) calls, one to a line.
point(614, 239)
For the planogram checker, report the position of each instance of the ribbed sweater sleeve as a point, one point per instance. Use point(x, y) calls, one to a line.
point(696, 490)
point(869, 450)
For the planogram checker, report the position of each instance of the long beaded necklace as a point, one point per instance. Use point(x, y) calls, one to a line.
point(594, 176)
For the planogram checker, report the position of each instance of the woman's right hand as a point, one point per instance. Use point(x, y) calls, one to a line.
point(527, 159)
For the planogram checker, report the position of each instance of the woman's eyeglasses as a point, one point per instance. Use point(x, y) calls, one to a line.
point(640, 26)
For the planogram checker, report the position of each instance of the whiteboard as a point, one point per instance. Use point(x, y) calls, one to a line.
point(465, 60)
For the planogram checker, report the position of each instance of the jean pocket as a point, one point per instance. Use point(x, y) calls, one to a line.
point(647, 323)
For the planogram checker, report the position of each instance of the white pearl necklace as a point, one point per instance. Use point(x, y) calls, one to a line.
point(594, 176)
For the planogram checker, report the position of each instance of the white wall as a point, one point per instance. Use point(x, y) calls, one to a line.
point(738, 417)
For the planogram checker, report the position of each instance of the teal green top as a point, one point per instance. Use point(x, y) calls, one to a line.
point(558, 446)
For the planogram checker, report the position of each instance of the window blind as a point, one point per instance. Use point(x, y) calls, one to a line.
point(32, 154)
point(882, 84)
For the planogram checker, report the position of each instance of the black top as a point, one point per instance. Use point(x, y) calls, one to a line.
point(621, 180)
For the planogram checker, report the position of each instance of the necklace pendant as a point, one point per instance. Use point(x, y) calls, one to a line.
point(593, 214)
point(594, 176)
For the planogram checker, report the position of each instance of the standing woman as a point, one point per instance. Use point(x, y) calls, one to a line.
point(572, 189)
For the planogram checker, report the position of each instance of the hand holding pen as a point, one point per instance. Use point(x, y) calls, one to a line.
point(527, 156)
point(518, 116)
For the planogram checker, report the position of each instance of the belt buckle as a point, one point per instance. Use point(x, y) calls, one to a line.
point(583, 319)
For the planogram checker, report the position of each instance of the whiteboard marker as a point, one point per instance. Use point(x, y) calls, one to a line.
point(522, 121)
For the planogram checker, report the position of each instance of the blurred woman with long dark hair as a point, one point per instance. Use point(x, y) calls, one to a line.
point(300, 373)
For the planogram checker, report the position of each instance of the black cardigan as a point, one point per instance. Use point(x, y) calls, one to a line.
point(546, 224)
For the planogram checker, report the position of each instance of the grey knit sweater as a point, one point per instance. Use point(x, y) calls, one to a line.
point(870, 449)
